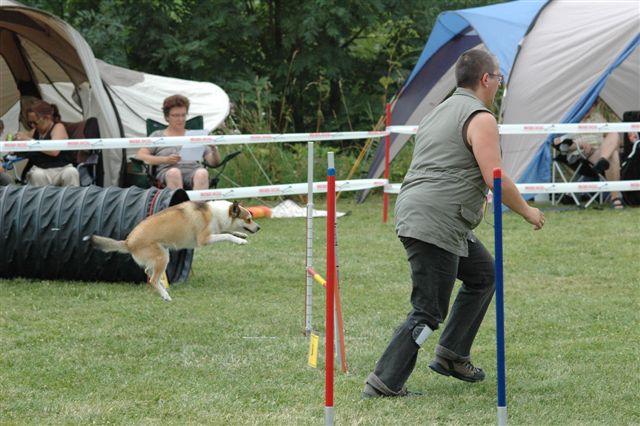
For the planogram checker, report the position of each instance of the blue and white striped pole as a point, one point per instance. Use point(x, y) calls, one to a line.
point(497, 220)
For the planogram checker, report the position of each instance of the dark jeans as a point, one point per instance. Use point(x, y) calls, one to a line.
point(434, 272)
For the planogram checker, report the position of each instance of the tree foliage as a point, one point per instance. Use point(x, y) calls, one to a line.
point(288, 65)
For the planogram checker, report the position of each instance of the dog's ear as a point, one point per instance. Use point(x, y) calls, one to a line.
point(234, 209)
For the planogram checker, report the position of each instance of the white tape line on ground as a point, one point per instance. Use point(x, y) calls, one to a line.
point(543, 129)
point(558, 188)
point(110, 143)
point(282, 190)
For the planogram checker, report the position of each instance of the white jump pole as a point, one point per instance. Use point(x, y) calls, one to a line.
point(309, 294)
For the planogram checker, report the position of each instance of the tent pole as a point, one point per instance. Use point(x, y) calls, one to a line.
point(387, 146)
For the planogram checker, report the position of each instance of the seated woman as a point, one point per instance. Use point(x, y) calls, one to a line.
point(604, 155)
point(171, 171)
point(47, 167)
point(5, 179)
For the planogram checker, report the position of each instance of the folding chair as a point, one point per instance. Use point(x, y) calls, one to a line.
point(88, 162)
point(13, 166)
point(577, 165)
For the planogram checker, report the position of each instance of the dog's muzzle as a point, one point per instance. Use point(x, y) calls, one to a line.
point(253, 231)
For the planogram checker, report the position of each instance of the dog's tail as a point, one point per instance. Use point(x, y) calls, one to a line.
point(108, 244)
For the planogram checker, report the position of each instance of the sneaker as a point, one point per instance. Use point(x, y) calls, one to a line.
point(370, 392)
point(462, 370)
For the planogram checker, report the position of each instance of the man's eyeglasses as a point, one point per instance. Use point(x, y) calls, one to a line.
point(500, 77)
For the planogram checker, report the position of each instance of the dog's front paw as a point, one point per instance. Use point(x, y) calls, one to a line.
point(240, 241)
point(240, 235)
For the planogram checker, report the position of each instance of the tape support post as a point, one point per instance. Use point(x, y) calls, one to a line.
point(500, 351)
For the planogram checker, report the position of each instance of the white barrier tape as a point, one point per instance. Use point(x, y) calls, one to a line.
point(543, 129)
point(110, 143)
point(282, 190)
point(561, 188)
point(558, 188)
point(403, 130)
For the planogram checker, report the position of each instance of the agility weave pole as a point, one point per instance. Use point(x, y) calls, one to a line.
point(497, 218)
point(311, 275)
point(331, 268)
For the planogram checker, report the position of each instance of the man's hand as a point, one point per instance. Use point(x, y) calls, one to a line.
point(535, 217)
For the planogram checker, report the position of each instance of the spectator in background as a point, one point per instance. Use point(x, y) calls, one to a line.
point(602, 152)
point(47, 167)
point(171, 170)
point(5, 179)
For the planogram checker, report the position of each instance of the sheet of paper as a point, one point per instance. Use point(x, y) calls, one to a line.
point(193, 153)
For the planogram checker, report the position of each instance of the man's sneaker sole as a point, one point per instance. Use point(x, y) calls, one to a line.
point(438, 368)
point(370, 392)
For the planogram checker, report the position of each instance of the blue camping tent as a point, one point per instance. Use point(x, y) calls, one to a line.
point(547, 46)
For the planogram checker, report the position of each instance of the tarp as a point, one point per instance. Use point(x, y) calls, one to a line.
point(553, 54)
point(43, 57)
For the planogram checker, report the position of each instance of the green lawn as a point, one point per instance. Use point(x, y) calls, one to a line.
point(230, 350)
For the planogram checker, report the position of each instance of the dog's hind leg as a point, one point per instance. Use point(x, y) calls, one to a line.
point(156, 259)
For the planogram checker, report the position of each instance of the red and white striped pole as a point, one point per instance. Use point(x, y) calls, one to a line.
point(331, 280)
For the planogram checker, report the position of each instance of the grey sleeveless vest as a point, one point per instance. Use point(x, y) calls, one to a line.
point(443, 192)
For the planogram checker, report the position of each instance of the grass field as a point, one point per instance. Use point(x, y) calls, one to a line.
point(229, 350)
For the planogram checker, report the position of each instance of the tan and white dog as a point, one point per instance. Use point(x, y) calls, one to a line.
point(184, 226)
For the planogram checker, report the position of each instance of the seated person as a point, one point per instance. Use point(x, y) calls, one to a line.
point(47, 167)
point(5, 179)
point(171, 171)
point(603, 155)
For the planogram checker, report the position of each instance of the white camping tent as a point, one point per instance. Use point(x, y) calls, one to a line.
point(42, 56)
point(138, 96)
point(574, 53)
point(559, 55)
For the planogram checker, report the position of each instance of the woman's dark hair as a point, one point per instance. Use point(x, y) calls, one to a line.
point(42, 109)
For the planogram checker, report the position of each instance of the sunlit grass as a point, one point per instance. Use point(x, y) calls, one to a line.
point(230, 348)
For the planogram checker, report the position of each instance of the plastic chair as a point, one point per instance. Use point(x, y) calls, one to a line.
point(139, 166)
